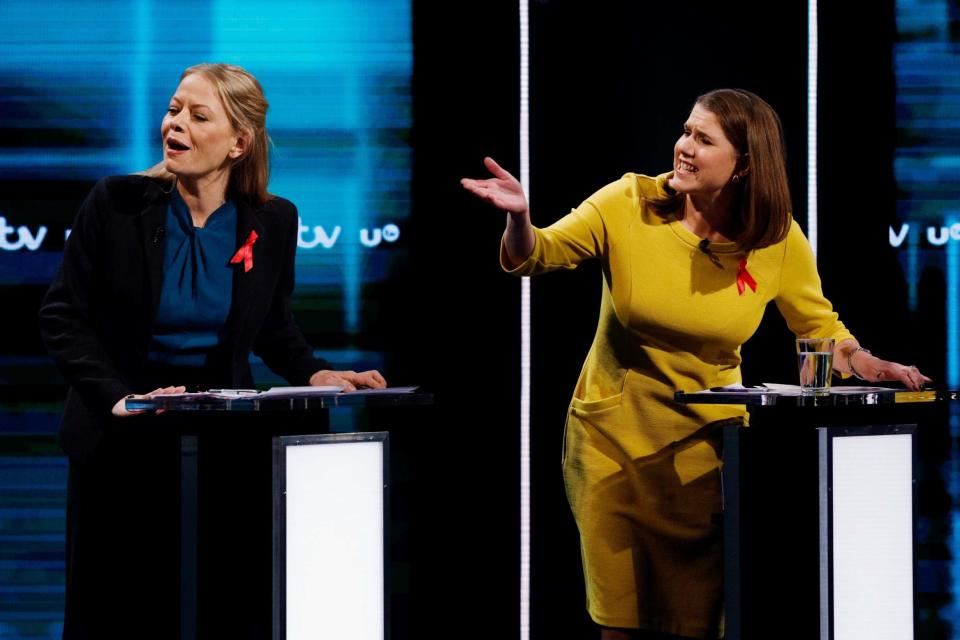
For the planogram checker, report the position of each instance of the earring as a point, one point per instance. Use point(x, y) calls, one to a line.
point(735, 179)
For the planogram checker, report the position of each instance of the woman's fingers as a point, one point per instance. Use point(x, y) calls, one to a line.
point(346, 384)
point(912, 378)
point(371, 379)
point(479, 188)
point(497, 170)
point(365, 379)
point(167, 391)
point(333, 379)
point(508, 197)
point(908, 375)
point(501, 182)
point(120, 408)
point(349, 380)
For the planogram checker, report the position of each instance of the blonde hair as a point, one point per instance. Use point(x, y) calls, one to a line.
point(246, 108)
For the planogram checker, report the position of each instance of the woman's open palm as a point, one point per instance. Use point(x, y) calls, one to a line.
point(502, 190)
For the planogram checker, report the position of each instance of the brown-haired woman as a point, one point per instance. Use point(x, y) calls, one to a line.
point(690, 260)
point(170, 278)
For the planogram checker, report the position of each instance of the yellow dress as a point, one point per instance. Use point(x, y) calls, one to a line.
point(641, 471)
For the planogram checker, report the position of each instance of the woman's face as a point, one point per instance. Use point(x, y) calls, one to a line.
point(198, 139)
point(704, 160)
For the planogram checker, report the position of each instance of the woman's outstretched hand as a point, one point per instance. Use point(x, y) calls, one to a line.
point(349, 380)
point(120, 409)
point(505, 192)
point(502, 190)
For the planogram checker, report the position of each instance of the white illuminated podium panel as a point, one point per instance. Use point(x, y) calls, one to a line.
point(330, 537)
point(819, 510)
point(867, 533)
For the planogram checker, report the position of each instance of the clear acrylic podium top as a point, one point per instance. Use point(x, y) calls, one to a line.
point(785, 396)
point(281, 399)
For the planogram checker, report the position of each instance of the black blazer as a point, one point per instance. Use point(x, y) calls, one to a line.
point(97, 317)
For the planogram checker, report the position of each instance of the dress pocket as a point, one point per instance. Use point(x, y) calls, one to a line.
point(590, 421)
point(586, 408)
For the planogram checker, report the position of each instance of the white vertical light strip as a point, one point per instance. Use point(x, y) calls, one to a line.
point(525, 333)
point(812, 45)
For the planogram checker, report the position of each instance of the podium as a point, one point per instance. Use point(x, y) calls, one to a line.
point(819, 511)
point(284, 526)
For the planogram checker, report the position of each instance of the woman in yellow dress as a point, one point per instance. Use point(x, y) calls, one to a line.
point(690, 260)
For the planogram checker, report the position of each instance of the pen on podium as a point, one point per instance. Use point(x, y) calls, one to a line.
point(232, 392)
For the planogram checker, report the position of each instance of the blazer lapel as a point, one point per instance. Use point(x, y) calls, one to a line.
point(153, 221)
point(245, 282)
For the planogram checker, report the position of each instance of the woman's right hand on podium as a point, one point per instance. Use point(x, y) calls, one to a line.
point(120, 409)
point(348, 380)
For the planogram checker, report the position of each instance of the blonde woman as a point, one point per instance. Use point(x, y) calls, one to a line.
point(170, 279)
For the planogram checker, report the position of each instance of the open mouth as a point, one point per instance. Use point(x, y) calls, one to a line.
point(176, 145)
point(686, 167)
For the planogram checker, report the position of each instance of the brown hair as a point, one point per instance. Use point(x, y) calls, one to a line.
point(762, 202)
point(245, 106)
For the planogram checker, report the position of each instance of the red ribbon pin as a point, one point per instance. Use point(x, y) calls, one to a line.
point(245, 253)
point(744, 279)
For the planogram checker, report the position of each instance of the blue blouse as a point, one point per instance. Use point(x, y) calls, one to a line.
point(197, 284)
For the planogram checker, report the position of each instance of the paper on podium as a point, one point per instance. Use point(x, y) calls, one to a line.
point(236, 394)
point(737, 388)
point(286, 392)
point(776, 386)
point(324, 390)
point(384, 390)
point(227, 398)
point(859, 389)
point(327, 390)
point(793, 388)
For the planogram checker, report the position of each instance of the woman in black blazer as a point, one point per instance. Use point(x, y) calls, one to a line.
point(169, 280)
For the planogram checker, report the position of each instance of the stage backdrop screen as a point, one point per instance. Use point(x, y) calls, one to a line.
point(926, 235)
point(926, 164)
point(84, 85)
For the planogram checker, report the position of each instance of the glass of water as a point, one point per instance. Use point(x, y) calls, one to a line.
point(815, 359)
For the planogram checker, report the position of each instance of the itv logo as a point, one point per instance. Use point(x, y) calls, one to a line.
point(936, 236)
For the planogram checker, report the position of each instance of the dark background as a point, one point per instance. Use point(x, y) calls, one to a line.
point(610, 86)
